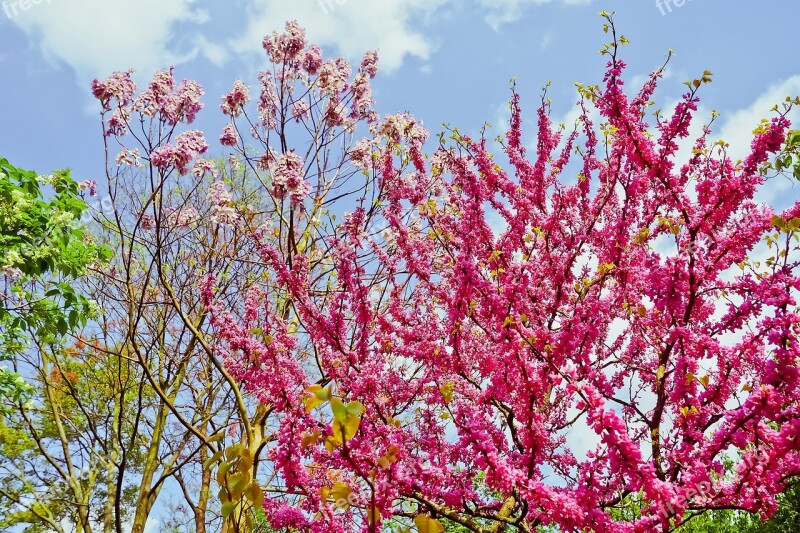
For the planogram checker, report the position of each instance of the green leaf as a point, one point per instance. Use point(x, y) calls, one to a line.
point(211, 460)
point(228, 508)
point(339, 410)
point(254, 494)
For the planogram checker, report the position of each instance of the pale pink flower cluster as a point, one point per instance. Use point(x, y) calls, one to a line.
point(286, 47)
point(229, 136)
point(268, 101)
point(12, 271)
point(160, 98)
point(182, 217)
point(90, 185)
point(148, 222)
point(402, 126)
point(361, 155)
point(288, 167)
point(343, 104)
point(234, 101)
point(130, 157)
point(118, 122)
point(300, 110)
point(186, 102)
point(188, 145)
point(203, 166)
point(448, 160)
point(218, 194)
point(267, 161)
point(234, 162)
point(369, 65)
point(336, 114)
point(173, 105)
point(362, 97)
point(151, 100)
point(222, 212)
point(311, 59)
point(288, 176)
point(119, 86)
point(333, 75)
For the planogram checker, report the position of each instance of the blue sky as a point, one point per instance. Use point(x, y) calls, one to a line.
point(443, 60)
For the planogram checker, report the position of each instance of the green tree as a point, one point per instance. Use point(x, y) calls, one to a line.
point(44, 250)
point(785, 520)
point(43, 246)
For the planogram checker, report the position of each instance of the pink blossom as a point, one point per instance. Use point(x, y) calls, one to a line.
point(130, 157)
point(173, 104)
point(312, 59)
point(222, 211)
point(361, 155)
point(288, 176)
point(369, 65)
point(117, 124)
point(268, 101)
point(120, 87)
point(185, 103)
point(233, 102)
point(153, 99)
point(289, 167)
point(362, 97)
point(285, 47)
point(182, 217)
point(188, 145)
point(91, 185)
point(218, 194)
point(300, 110)
point(336, 113)
point(229, 136)
point(147, 222)
point(333, 75)
point(203, 166)
point(482, 308)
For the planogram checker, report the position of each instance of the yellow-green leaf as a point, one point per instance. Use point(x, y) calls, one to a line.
point(340, 492)
point(233, 452)
point(426, 524)
point(255, 494)
point(316, 396)
point(355, 409)
point(211, 460)
point(447, 390)
point(228, 508)
point(339, 410)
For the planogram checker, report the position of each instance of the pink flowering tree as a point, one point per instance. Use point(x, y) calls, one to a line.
point(178, 217)
point(171, 220)
point(429, 339)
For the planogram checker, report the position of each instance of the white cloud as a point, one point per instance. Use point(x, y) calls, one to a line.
point(352, 26)
point(546, 40)
point(505, 11)
point(97, 37)
point(736, 128)
point(391, 24)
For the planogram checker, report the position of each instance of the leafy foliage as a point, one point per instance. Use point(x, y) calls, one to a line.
point(43, 246)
